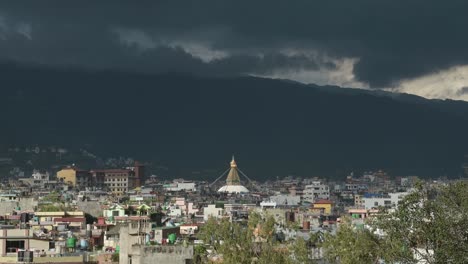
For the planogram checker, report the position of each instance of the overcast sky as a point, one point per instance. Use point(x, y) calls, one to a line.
point(419, 47)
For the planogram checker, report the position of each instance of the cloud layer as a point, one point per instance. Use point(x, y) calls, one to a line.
point(363, 43)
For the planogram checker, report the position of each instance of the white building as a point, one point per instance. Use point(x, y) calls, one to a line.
point(316, 191)
point(174, 211)
point(388, 200)
point(267, 204)
point(178, 186)
point(285, 199)
point(37, 175)
point(212, 211)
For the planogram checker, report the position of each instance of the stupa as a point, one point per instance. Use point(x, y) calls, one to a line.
point(233, 183)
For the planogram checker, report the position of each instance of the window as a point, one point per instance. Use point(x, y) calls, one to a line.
point(376, 203)
point(14, 245)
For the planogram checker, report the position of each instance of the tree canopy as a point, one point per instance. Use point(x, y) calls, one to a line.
point(430, 224)
point(251, 242)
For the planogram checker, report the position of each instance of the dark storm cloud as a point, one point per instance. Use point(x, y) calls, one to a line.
point(392, 39)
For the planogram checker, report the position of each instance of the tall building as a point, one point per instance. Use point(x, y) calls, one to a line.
point(139, 170)
point(233, 183)
point(119, 181)
point(75, 177)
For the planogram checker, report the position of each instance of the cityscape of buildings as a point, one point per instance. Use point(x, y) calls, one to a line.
point(76, 215)
point(348, 121)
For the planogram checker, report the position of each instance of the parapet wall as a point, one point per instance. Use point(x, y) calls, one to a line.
point(161, 254)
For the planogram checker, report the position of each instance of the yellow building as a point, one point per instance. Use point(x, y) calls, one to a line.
point(326, 205)
point(68, 175)
point(74, 177)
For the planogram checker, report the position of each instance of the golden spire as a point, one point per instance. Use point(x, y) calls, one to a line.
point(233, 162)
point(233, 176)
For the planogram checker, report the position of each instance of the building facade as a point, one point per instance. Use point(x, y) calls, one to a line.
point(316, 191)
point(75, 177)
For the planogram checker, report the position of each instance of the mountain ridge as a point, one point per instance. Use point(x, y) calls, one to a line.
point(275, 127)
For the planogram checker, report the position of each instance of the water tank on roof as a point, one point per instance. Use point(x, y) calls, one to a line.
point(83, 243)
point(172, 238)
point(71, 242)
point(24, 217)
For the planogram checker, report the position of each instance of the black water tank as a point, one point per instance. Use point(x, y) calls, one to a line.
point(24, 217)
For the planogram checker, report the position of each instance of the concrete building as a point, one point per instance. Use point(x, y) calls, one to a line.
point(163, 232)
point(212, 211)
point(174, 254)
point(316, 191)
point(358, 201)
point(373, 201)
point(9, 197)
point(267, 205)
point(98, 178)
point(180, 185)
point(283, 199)
point(75, 177)
point(238, 211)
point(324, 205)
point(139, 173)
point(119, 181)
point(113, 211)
point(131, 232)
point(74, 221)
point(13, 240)
point(361, 213)
point(39, 180)
point(38, 175)
point(296, 191)
point(188, 229)
point(175, 211)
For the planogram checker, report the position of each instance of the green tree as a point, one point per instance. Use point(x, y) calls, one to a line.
point(430, 223)
point(250, 242)
point(352, 245)
point(115, 257)
point(300, 251)
point(199, 254)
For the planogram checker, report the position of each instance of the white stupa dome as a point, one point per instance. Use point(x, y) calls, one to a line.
point(233, 189)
